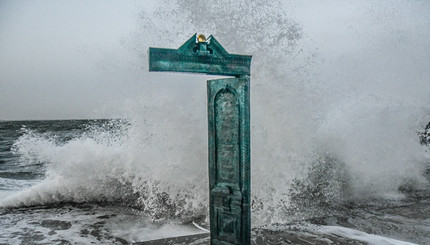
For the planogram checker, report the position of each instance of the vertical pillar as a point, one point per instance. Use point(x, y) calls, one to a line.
point(229, 160)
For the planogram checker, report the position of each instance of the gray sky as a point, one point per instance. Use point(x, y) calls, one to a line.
point(64, 59)
point(54, 56)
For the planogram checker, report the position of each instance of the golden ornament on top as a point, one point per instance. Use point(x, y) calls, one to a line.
point(201, 38)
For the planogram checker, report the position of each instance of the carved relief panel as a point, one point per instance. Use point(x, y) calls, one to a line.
point(229, 163)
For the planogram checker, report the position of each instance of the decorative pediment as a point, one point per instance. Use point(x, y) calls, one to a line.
point(198, 55)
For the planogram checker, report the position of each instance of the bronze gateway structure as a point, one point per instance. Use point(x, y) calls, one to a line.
point(229, 130)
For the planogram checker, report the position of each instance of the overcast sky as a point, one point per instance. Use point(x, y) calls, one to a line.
point(64, 59)
point(52, 57)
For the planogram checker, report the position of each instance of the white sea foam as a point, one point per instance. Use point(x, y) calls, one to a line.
point(340, 82)
point(360, 236)
point(92, 224)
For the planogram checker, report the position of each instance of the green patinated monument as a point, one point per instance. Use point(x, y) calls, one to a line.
point(229, 130)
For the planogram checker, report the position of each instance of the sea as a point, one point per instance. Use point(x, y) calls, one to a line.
point(70, 182)
point(339, 145)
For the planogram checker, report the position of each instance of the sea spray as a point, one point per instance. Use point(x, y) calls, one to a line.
point(106, 165)
point(339, 94)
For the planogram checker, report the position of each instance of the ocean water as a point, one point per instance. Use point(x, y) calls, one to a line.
point(70, 182)
point(41, 205)
point(339, 99)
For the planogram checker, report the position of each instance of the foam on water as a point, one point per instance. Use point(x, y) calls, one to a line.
point(339, 94)
point(359, 235)
point(84, 224)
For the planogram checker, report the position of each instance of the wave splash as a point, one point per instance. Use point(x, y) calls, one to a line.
point(110, 164)
point(337, 103)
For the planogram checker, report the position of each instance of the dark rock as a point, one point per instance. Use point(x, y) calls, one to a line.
point(120, 240)
point(56, 224)
point(104, 217)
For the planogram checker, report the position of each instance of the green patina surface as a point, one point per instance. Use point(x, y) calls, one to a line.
point(229, 131)
point(205, 57)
